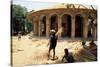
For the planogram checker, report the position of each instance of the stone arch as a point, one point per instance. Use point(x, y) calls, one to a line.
point(43, 25)
point(66, 25)
point(54, 22)
point(79, 25)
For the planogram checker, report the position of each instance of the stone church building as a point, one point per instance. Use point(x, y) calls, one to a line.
point(76, 21)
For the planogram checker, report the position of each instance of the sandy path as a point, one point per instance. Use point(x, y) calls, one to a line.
point(34, 51)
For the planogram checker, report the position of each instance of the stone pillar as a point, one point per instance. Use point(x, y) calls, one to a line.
point(47, 26)
point(59, 27)
point(94, 32)
point(95, 29)
point(73, 26)
point(35, 28)
point(85, 27)
point(39, 28)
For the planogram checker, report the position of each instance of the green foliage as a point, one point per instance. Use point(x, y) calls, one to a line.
point(19, 21)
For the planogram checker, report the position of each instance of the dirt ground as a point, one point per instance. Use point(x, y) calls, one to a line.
point(34, 51)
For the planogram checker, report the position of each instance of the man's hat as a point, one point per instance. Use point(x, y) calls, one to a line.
point(52, 31)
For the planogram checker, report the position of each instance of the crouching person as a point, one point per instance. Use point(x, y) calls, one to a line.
point(68, 57)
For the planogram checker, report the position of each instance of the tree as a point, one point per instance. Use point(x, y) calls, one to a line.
point(18, 19)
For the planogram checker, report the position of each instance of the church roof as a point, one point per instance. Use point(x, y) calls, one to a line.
point(77, 6)
point(66, 5)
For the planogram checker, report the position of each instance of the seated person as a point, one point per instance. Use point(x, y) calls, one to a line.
point(83, 44)
point(93, 48)
point(69, 58)
point(92, 44)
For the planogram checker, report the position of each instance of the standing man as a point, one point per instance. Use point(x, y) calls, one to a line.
point(52, 43)
point(19, 35)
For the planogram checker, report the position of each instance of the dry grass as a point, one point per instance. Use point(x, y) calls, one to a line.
point(35, 51)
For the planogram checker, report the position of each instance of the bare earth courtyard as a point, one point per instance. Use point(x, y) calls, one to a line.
point(35, 51)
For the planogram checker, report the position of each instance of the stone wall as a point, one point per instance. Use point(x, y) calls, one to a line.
point(37, 16)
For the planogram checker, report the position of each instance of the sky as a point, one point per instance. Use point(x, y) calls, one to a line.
point(35, 5)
